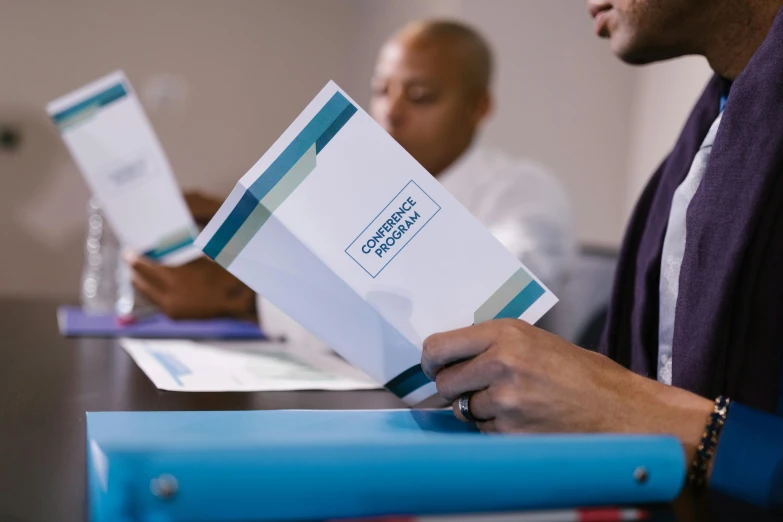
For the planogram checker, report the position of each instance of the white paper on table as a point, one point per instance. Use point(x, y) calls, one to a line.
point(190, 366)
point(345, 232)
point(115, 147)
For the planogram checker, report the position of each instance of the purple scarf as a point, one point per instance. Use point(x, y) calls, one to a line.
point(728, 332)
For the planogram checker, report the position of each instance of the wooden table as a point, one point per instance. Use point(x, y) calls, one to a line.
point(47, 383)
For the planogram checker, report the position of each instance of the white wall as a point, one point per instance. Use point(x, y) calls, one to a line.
point(249, 67)
point(562, 98)
point(663, 96)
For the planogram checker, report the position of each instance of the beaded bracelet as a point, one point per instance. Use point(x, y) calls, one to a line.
point(709, 440)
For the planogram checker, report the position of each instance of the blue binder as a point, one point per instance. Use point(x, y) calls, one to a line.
point(313, 465)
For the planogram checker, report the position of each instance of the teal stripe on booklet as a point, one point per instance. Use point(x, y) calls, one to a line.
point(513, 297)
point(408, 381)
point(319, 131)
point(172, 246)
point(522, 301)
point(71, 114)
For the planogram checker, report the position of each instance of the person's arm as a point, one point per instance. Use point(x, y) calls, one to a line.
point(522, 379)
point(201, 289)
point(748, 462)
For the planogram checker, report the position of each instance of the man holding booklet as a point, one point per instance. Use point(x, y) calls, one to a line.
point(713, 378)
point(403, 256)
point(431, 93)
point(721, 280)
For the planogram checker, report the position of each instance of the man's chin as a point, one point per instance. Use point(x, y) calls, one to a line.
point(636, 59)
point(636, 53)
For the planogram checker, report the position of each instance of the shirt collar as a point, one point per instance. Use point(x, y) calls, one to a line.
point(460, 165)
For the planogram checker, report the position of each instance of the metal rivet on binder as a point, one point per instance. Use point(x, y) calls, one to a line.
point(164, 487)
point(640, 475)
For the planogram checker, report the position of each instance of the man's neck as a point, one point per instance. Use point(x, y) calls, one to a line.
point(739, 29)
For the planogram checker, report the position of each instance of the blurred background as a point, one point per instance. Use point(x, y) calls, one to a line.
point(221, 80)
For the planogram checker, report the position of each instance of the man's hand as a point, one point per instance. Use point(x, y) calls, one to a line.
point(200, 289)
point(202, 206)
point(527, 380)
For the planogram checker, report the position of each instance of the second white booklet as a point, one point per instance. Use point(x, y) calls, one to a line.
point(112, 141)
point(345, 232)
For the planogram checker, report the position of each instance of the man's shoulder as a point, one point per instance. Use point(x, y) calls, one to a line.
point(512, 172)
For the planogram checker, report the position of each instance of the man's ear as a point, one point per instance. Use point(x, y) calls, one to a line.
point(483, 108)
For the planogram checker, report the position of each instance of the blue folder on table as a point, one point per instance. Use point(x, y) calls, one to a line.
point(75, 322)
point(315, 465)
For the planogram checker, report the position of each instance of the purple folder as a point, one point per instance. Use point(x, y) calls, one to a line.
point(74, 322)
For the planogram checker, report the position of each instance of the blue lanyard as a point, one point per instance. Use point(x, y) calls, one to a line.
point(724, 93)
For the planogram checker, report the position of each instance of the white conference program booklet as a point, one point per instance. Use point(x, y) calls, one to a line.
point(345, 232)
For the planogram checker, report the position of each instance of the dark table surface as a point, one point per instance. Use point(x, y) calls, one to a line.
point(47, 383)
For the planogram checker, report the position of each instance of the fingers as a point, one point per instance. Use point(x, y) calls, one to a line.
point(480, 406)
point(489, 426)
point(468, 376)
point(483, 405)
point(485, 424)
point(192, 194)
point(148, 277)
point(153, 273)
point(154, 293)
point(458, 412)
point(446, 348)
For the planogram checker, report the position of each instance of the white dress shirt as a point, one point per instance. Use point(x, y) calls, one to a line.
point(522, 205)
point(674, 251)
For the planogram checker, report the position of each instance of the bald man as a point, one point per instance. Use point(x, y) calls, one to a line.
point(431, 93)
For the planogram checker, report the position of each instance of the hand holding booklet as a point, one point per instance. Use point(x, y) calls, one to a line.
point(340, 228)
point(115, 147)
point(345, 232)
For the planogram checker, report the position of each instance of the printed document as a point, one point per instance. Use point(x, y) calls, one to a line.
point(115, 147)
point(344, 231)
point(192, 366)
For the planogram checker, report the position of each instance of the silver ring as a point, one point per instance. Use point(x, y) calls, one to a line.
point(464, 407)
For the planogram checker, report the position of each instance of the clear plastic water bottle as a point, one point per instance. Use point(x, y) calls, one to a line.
point(125, 298)
point(107, 286)
point(100, 273)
